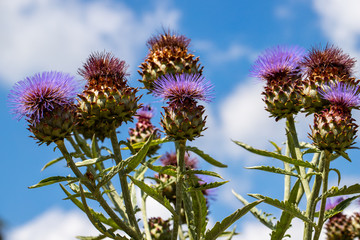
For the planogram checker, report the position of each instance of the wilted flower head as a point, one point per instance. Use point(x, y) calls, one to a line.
point(169, 40)
point(341, 94)
point(179, 88)
point(103, 69)
point(277, 62)
point(41, 93)
point(319, 59)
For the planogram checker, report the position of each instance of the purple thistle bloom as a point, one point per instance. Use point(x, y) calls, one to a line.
point(280, 59)
point(43, 92)
point(177, 88)
point(341, 94)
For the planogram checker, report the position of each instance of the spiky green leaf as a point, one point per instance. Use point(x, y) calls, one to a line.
point(154, 194)
point(273, 170)
point(285, 206)
point(335, 191)
point(92, 161)
point(263, 217)
point(52, 180)
point(203, 172)
point(153, 143)
point(340, 207)
point(206, 157)
point(276, 156)
point(136, 159)
point(220, 227)
point(207, 186)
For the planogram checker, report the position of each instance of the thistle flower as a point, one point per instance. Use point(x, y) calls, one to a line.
point(144, 128)
point(179, 88)
point(107, 100)
point(183, 118)
point(169, 159)
point(47, 101)
point(324, 66)
point(341, 95)
point(159, 228)
point(168, 54)
point(277, 63)
point(330, 60)
point(334, 129)
point(279, 67)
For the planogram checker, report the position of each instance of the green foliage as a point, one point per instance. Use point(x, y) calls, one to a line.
point(335, 191)
point(220, 227)
point(274, 170)
point(52, 180)
point(206, 157)
point(340, 207)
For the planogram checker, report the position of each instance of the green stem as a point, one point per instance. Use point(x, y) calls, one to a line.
point(97, 194)
point(123, 182)
point(298, 155)
point(180, 169)
point(145, 219)
point(311, 203)
point(325, 178)
point(287, 178)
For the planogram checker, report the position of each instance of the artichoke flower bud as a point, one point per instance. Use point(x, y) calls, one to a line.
point(47, 101)
point(279, 68)
point(183, 118)
point(324, 66)
point(144, 128)
point(334, 129)
point(159, 228)
point(168, 54)
point(107, 100)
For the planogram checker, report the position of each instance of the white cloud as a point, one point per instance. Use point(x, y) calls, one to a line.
point(41, 35)
point(54, 224)
point(340, 20)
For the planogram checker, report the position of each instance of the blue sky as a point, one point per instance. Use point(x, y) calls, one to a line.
point(41, 35)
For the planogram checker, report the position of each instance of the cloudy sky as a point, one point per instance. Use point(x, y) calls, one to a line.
point(43, 35)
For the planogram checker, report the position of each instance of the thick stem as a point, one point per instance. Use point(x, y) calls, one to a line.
point(287, 178)
point(298, 155)
point(145, 219)
point(311, 205)
point(60, 144)
point(123, 182)
point(325, 177)
point(180, 169)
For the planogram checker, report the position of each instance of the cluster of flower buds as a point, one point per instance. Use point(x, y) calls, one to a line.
point(320, 83)
point(144, 128)
point(47, 100)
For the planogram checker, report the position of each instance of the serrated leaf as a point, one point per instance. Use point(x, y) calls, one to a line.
point(203, 172)
point(261, 216)
point(285, 206)
point(335, 191)
point(136, 159)
point(154, 194)
point(340, 207)
point(169, 170)
point(276, 156)
point(52, 180)
point(220, 227)
point(207, 186)
point(153, 143)
point(92, 161)
point(273, 170)
point(206, 157)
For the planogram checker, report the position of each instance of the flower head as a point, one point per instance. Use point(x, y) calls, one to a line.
point(169, 40)
point(341, 94)
point(181, 87)
point(330, 57)
point(145, 112)
point(277, 61)
point(41, 93)
point(102, 69)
